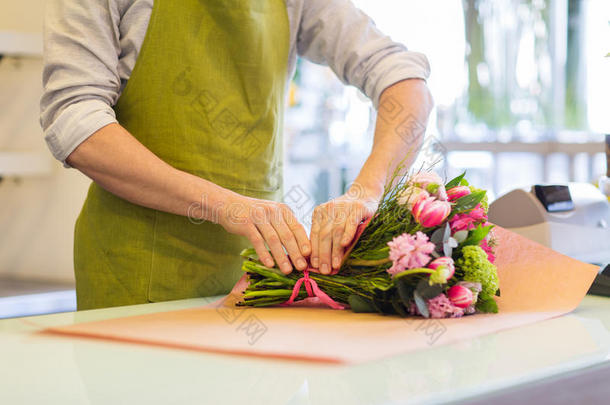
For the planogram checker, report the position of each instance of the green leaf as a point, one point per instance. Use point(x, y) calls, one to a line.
point(421, 304)
point(360, 304)
point(427, 291)
point(455, 182)
point(399, 307)
point(468, 202)
point(405, 292)
point(476, 235)
point(486, 304)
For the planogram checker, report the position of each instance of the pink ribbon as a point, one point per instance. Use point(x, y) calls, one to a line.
point(312, 291)
point(312, 287)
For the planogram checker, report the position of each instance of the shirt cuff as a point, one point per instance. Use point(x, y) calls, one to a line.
point(394, 68)
point(75, 124)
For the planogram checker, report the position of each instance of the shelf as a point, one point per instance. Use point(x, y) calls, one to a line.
point(20, 43)
point(25, 164)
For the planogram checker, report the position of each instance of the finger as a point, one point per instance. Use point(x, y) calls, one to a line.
point(351, 225)
point(298, 231)
point(288, 241)
point(275, 245)
point(314, 237)
point(337, 248)
point(258, 243)
point(325, 241)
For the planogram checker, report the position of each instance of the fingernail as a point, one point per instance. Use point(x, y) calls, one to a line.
point(269, 263)
point(306, 249)
point(315, 262)
point(336, 262)
point(301, 263)
point(324, 268)
point(286, 268)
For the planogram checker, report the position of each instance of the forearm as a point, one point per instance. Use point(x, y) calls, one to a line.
point(119, 163)
point(403, 114)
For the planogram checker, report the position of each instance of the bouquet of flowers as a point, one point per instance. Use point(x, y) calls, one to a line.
point(428, 251)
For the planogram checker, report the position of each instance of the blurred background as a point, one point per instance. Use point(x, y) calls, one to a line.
point(521, 88)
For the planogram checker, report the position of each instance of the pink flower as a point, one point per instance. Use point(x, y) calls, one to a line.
point(430, 212)
point(409, 252)
point(443, 261)
point(475, 288)
point(468, 220)
point(489, 250)
point(460, 296)
point(440, 307)
point(411, 196)
point(432, 183)
point(457, 192)
point(423, 179)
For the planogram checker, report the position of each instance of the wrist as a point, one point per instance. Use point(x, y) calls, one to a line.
point(369, 190)
point(210, 202)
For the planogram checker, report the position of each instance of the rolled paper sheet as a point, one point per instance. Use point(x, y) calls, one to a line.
point(536, 282)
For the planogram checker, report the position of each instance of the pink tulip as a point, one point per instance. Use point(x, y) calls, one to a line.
point(432, 183)
point(430, 212)
point(460, 296)
point(424, 179)
point(443, 261)
point(457, 192)
point(411, 196)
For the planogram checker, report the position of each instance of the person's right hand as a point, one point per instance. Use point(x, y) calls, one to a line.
point(268, 222)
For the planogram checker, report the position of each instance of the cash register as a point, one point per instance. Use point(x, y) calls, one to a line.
point(573, 219)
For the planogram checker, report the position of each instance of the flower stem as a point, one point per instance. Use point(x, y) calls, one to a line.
point(369, 263)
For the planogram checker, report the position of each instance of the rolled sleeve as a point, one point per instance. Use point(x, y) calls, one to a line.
point(75, 124)
point(81, 82)
point(338, 34)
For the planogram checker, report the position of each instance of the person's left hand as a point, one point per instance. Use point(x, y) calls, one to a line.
point(334, 225)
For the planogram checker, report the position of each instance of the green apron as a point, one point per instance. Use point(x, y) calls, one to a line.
point(206, 95)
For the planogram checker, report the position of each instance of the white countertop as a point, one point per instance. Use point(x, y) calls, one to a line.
point(48, 369)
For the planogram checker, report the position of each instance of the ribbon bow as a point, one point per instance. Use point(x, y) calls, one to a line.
point(312, 287)
point(312, 291)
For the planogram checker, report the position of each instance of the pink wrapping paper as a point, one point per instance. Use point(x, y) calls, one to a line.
point(536, 283)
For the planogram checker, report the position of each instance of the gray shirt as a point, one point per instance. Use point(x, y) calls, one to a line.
point(91, 47)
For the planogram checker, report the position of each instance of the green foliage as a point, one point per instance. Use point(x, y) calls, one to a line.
point(455, 181)
point(476, 235)
point(484, 201)
point(420, 302)
point(476, 268)
point(468, 202)
point(486, 303)
point(360, 304)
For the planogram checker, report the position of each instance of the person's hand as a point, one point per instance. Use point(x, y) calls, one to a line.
point(268, 222)
point(334, 225)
